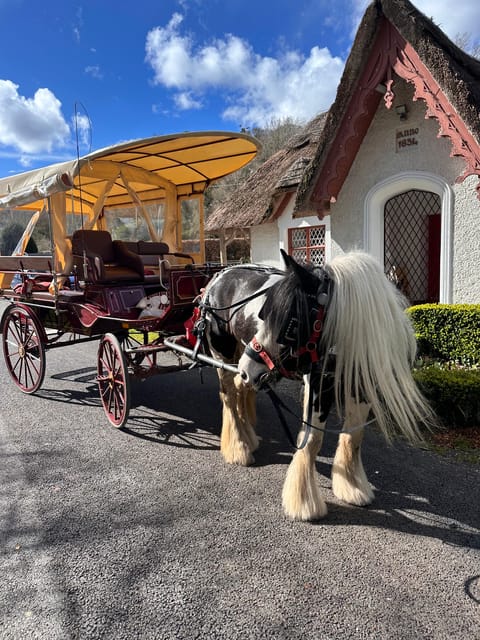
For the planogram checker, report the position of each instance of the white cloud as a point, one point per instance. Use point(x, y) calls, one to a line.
point(82, 127)
point(31, 125)
point(94, 71)
point(25, 161)
point(76, 28)
point(255, 88)
point(464, 18)
point(185, 101)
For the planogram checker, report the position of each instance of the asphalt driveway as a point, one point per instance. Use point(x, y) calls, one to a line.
point(147, 533)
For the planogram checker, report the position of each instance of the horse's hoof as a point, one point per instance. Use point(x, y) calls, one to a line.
point(306, 513)
point(353, 495)
point(241, 457)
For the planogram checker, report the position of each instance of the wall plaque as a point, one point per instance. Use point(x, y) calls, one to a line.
point(406, 139)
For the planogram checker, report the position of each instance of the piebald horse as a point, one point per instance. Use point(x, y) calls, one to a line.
point(349, 321)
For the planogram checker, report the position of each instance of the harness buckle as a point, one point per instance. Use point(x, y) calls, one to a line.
point(256, 346)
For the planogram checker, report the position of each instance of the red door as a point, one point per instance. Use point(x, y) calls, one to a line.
point(434, 231)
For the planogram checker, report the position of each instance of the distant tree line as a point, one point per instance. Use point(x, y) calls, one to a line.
point(272, 137)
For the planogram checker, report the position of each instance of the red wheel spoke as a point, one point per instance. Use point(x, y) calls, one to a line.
point(13, 344)
point(15, 327)
point(109, 356)
point(23, 349)
point(20, 373)
point(113, 381)
point(30, 338)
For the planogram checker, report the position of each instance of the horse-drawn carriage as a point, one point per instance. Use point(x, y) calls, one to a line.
point(124, 265)
point(102, 236)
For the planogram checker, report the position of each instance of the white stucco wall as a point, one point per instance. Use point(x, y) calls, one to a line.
point(268, 239)
point(264, 245)
point(466, 243)
point(378, 160)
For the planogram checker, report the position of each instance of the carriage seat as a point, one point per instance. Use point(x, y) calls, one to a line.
point(107, 260)
point(156, 258)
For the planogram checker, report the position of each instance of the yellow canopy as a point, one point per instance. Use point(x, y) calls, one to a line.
point(186, 163)
point(137, 172)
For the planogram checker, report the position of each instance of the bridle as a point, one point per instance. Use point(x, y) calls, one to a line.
point(257, 352)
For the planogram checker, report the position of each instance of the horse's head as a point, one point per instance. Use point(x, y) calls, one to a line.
point(288, 337)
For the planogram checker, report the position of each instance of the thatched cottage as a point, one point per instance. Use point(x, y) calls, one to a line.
point(393, 168)
point(263, 205)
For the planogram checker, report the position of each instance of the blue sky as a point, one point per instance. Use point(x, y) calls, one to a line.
point(145, 68)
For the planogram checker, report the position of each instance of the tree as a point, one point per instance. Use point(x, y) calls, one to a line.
point(10, 236)
point(272, 137)
point(464, 40)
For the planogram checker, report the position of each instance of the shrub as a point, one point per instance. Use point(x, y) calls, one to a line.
point(453, 393)
point(448, 369)
point(449, 332)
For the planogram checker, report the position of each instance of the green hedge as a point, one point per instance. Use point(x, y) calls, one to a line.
point(448, 332)
point(448, 370)
point(453, 393)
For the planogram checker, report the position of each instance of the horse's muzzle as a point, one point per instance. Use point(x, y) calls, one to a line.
point(260, 382)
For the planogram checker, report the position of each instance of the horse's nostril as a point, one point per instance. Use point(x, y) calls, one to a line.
point(244, 375)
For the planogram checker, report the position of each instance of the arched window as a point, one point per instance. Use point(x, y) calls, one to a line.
point(402, 225)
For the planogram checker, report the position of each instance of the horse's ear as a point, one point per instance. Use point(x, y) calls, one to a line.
point(286, 258)
point(305, 278)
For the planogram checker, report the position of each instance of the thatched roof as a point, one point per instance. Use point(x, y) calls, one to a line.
point(455, 72)
point(255, 201)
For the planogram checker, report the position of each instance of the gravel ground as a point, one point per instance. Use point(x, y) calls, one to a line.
point(148, 534)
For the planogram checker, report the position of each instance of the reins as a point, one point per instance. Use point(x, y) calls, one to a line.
point(278, 405)
point(205, 306)
point(203, 303)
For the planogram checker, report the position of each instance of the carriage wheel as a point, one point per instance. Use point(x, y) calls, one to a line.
point(23, 348)
point(113, 380)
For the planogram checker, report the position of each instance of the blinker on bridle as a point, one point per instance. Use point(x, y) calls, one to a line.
point(289, 336)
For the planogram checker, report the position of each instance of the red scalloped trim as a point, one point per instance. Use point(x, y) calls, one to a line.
point(391, 52)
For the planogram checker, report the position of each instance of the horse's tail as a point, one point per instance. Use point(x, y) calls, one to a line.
point(375, 346)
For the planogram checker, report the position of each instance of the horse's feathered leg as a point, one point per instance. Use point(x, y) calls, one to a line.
point(301, 495)
point(238, 439)
point(247, 412)
point(349, 482)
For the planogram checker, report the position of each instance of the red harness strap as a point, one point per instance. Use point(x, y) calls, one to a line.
point(312, 344)
point(260, 352)
point(256, 350)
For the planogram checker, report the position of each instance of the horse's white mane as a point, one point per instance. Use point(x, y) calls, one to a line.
point(374, 343)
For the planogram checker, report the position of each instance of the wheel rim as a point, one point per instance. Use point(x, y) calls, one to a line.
point(23, 349)
point(113, 381)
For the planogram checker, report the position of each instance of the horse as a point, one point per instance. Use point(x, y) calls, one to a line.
point(341, 327)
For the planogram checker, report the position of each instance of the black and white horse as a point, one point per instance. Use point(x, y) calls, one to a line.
point(276, 323)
